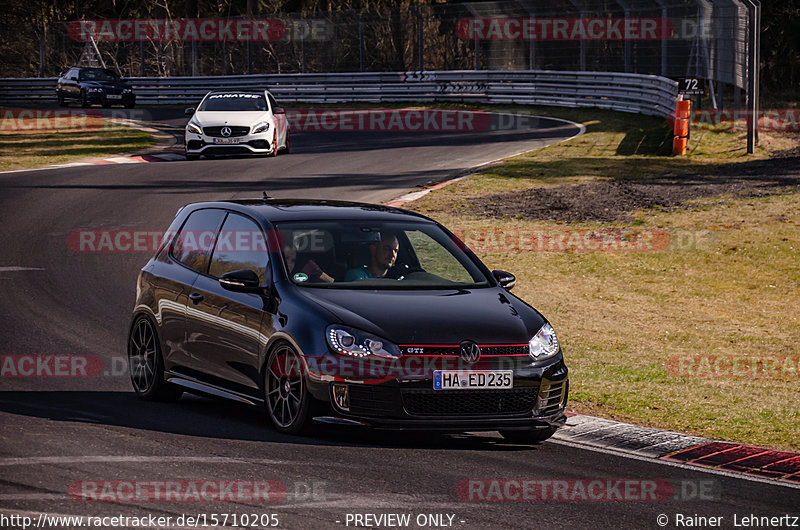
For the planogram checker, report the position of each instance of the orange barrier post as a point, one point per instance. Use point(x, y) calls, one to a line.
point(683, 110)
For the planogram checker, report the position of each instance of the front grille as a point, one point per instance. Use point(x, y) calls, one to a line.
point(456, 350)
point(371, 400)
point(236, 130)
point(110, 90)
point(470, 402)
point(551, 399)
point(226, 150)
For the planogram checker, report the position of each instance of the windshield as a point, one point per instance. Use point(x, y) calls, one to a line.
point(367, 255)
point(98, 75)
point(234, 101)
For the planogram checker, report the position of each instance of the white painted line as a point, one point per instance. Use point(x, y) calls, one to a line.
point(17, 269)
point(122, 160)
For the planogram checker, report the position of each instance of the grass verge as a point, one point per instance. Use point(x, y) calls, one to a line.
point(29, 145)
point(727, 286)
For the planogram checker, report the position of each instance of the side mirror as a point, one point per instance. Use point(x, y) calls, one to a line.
point(506, 280)
point(278, 110)
point(188, 111)
point(243, 281)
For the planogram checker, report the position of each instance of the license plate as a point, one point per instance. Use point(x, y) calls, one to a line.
point(467, 379)
point(113, 96)
point(226, 140)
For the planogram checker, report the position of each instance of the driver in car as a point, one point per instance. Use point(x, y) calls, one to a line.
point(382, 254)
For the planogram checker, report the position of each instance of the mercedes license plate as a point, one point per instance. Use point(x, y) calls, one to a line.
point(467, 379)
point(226, 140)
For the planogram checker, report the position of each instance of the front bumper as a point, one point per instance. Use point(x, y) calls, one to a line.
point(256, 144)
point(537, 400)
point(111, 99)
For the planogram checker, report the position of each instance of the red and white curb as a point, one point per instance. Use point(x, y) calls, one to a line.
point(413, 196)
point(673, 447)
point(133, 159)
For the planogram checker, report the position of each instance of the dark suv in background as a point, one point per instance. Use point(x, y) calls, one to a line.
point(94, 86)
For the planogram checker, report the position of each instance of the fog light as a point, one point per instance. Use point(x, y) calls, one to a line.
point(341, 396)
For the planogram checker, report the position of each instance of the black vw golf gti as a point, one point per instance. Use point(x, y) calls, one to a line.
point(344, 313)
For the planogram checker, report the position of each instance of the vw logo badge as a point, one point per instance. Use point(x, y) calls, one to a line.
point(470, 352)
point(226, 131)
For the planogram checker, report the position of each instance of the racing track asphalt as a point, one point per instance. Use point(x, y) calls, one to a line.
point(55, 431)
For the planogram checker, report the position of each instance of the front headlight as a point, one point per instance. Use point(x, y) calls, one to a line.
point(192, 127)
point(261, 127)
point(544, 344)
point(355, 343)
point(127, 91)
point(95, 89)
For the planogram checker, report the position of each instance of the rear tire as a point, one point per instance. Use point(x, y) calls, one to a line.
point(146, 365)
point(533, 436)
point(286, 150)
point(285, 391)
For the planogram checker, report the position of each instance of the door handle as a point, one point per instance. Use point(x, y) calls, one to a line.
point(196, 298)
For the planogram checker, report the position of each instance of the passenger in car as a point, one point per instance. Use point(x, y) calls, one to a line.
point(382, 256)
point(312, 271)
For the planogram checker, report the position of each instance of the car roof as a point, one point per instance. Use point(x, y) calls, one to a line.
point(277, 210)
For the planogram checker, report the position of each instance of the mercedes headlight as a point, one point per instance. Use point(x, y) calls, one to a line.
point(544, 344)
point(261, 127)
point(355, 343)
point(192, 127)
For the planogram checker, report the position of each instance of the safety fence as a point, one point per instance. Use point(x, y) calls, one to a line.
point(644, 94)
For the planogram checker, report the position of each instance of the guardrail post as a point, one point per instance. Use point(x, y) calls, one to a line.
point(683, 112)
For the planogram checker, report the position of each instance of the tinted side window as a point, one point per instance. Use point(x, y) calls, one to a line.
point(192, 245)
point(272, 103)
point(240, 245)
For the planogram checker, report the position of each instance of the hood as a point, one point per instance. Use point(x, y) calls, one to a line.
point(107, 84)
point(487, 315)
point(244, 118)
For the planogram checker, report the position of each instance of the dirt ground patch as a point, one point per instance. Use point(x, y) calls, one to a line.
point(614, 200)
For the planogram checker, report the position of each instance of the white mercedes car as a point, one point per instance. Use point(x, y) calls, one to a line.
point(236, 122)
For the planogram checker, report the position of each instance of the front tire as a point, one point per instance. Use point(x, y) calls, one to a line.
point(84, 99)
point(146, 365)
point(534, 436)
point(60, 98)
point(285, 392)
point(274, 152)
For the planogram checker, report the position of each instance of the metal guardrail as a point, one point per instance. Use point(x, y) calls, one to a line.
point(644, 94)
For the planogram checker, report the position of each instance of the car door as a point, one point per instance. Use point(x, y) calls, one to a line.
point(224, 328)
point(279, 114)
point(177, 270)
point(70, 85)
